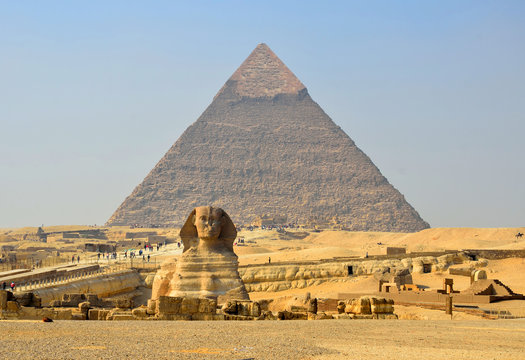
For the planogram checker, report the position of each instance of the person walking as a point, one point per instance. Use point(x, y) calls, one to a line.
point(13, 285)
point(4, 285)
point(148, 257)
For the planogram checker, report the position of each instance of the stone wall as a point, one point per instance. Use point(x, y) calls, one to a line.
point(103, 286)
point(284, 277)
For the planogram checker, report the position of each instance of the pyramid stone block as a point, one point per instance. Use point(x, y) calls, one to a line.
point(263, 147)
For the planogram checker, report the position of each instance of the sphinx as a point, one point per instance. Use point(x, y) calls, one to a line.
point(208, 265)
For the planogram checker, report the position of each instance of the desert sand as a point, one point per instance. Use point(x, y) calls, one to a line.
point(314, 340)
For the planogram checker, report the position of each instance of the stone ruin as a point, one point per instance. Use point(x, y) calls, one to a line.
point(367, 307)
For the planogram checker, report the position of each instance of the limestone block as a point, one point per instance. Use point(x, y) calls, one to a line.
point(3, 299)
point(122, 317)
point(151, 307)
point(363, 316)
point(168, 305)
point(140, 313)
point(162, 316)
point(12, 306)
point(386, 316)
point(267, 315)
point(255, 309)
point(207, 317)
point(243, 308)
point(24, 299)
point(341, 307)
point(29, 312)
point(149, 281)
point(207, 306)
point(75, 315)
point(320, 316)
point(343, 316)
point(312, 306)
point(93, 314)
point(379, 305)
point(123, 303)
point(358, 306)
point(72, 300)
point(98, 314)
point(230, 307)
point(189, 305)
point(63, 314)
point(83, 307)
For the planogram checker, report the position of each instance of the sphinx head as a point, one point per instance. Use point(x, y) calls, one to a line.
point(208, 228)
point(208, 222)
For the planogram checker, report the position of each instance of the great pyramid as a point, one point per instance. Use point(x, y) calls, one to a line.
point(263, 147)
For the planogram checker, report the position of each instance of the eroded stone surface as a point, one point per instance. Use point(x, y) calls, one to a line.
point(208, 265)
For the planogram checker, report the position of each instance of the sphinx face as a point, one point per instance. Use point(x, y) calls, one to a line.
point(208, 222)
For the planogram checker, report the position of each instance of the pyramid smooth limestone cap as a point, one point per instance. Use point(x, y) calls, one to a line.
point(263, 74)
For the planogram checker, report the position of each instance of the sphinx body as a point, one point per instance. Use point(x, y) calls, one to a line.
point(208, 265)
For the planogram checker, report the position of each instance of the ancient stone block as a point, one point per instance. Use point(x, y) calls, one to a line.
point(151, 307)
point(122, 317)
point(320, 316)
point(98, 314)
point(83, 307)
point(24, 299)
point(12, 306)
point(140, 313)
point(168, 305)
point(163, 316)
point(72, 300)
point(230, 307)
point(3, 299)
point(189, 305)
point(207, 306)
point(75, 315)
point(123, 303)
point(358, 306)
point(207, 317)
point(312, 306)
point(341, 307)
point(63, 314)
point(381, 305)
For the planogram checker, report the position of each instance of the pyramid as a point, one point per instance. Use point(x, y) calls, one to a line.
point(264, 148)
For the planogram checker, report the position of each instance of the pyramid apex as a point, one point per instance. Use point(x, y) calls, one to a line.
point(263, 74)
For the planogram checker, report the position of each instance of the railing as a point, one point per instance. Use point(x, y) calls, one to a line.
point(89, 274)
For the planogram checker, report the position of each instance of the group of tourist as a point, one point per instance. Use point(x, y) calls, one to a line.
point(13, 286)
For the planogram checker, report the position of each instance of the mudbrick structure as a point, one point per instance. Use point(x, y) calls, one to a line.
point(264, 145)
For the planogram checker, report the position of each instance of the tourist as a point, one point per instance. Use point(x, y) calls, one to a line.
point(4, 285)
point(73, 258)
point(78, 259)
point(269, 260)
point(148, 257)
point(13, 286)
point(98, 256)
point(143, 258)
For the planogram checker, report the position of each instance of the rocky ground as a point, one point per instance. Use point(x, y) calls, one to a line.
point(336, 339)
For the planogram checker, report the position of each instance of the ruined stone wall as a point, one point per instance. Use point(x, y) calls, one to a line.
point(284, 277)
point(103, 286)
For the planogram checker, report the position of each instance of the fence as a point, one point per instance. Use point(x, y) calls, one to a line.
point(103, 271)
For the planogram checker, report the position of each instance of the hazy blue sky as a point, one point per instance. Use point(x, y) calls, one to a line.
point(93, 93)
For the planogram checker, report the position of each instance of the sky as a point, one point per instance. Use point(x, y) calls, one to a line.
point(92, 94)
